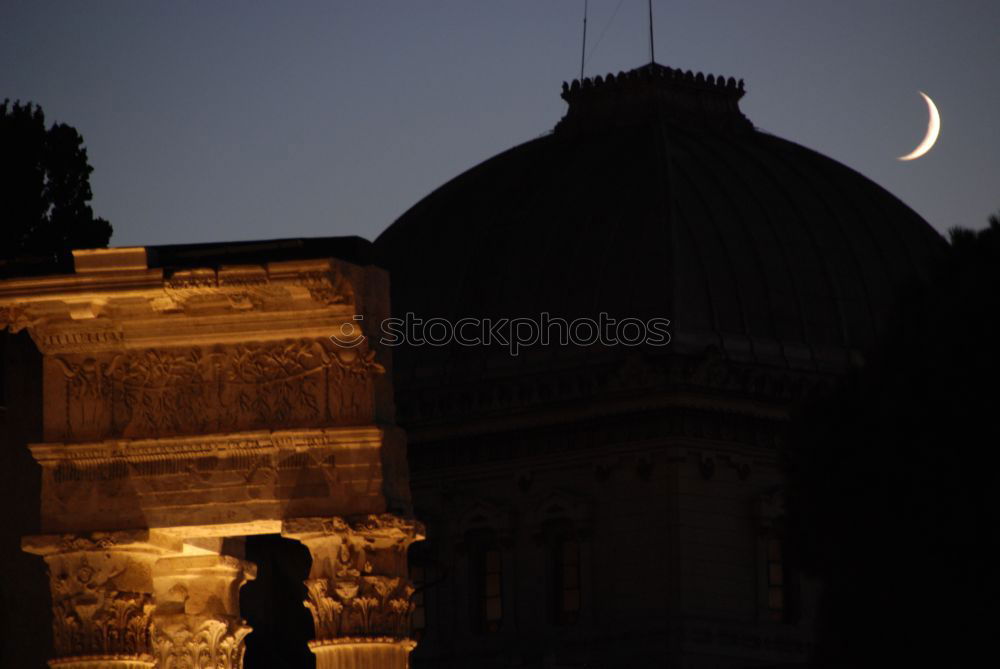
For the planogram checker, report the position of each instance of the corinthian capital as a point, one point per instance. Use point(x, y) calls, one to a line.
point(196, 622)
point(102, 597)
point(358, 592)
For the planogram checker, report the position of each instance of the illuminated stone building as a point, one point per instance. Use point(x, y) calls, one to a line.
point(168, 411)
point(178, 400)
point(621, 506)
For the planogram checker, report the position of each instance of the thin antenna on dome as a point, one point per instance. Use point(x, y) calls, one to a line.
point(652, 58)
point(583, 51)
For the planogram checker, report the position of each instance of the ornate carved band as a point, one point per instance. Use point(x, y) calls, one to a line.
point(198, 390)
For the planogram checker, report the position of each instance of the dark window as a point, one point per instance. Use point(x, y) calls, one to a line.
point(776, 593)
point(783, 592)
point(565, 580)
point(486, 571)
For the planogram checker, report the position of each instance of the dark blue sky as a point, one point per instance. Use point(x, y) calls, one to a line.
point(211, 121)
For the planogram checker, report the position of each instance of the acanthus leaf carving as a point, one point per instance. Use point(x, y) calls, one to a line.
point(357, 588)
point(364, 606)
point(14, 317)
point(210, 644)
point(91, 615)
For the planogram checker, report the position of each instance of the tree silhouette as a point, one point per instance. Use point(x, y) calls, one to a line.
point(44, 209)
point(891, 497)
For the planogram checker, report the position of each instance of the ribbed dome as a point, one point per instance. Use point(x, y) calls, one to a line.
point(656, 197)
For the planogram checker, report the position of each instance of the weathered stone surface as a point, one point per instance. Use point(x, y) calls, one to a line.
point(358, 591)
point(208, 482)
point(184, 407)
point(102, 595)
point(196, 623)
point(209, 389)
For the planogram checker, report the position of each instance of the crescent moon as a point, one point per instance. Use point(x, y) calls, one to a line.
point(933, 129)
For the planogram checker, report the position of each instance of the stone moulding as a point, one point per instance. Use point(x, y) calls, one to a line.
point(153, 542)
point(102, 662)
point(407, 644)
point(384, 528)
point(136, 451)
point(362, 654)
point(109, 309)
point(216, 484)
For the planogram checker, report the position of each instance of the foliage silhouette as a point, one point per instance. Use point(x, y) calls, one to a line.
point(890, 499)
point(45, 210)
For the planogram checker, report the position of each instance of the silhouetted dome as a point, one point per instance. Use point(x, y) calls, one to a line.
point(655, 197)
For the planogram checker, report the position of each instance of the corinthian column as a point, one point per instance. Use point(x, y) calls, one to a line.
point(196, 622)
point(358, 590)
point(102, 597)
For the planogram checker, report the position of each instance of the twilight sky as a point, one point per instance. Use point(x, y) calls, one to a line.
point(210, 121)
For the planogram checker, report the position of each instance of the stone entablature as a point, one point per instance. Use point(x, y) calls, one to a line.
point(133, 353)
point(218, 484)
point(187, 406)
point(100, 310)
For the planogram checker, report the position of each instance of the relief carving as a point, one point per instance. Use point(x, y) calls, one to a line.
point(362, 606)
point(213, 644)
point(196, 624)
point(328, 290)
point(14, 317)
point(117, 625)
point(155, 393)
point(357, 587)
point(94, 610)
point(248, 289)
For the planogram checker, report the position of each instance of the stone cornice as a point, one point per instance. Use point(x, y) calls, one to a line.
point(138, 541)
point(129, 306)
point(200, 446)
point(370, 527)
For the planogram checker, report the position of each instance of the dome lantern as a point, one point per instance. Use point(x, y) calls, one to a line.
point(682, 97)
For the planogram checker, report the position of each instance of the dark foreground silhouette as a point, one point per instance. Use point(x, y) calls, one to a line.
point(892, 481)
point(45, 176)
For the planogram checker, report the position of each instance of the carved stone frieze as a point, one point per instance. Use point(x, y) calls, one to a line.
point(166, 392)
point(197, 290)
